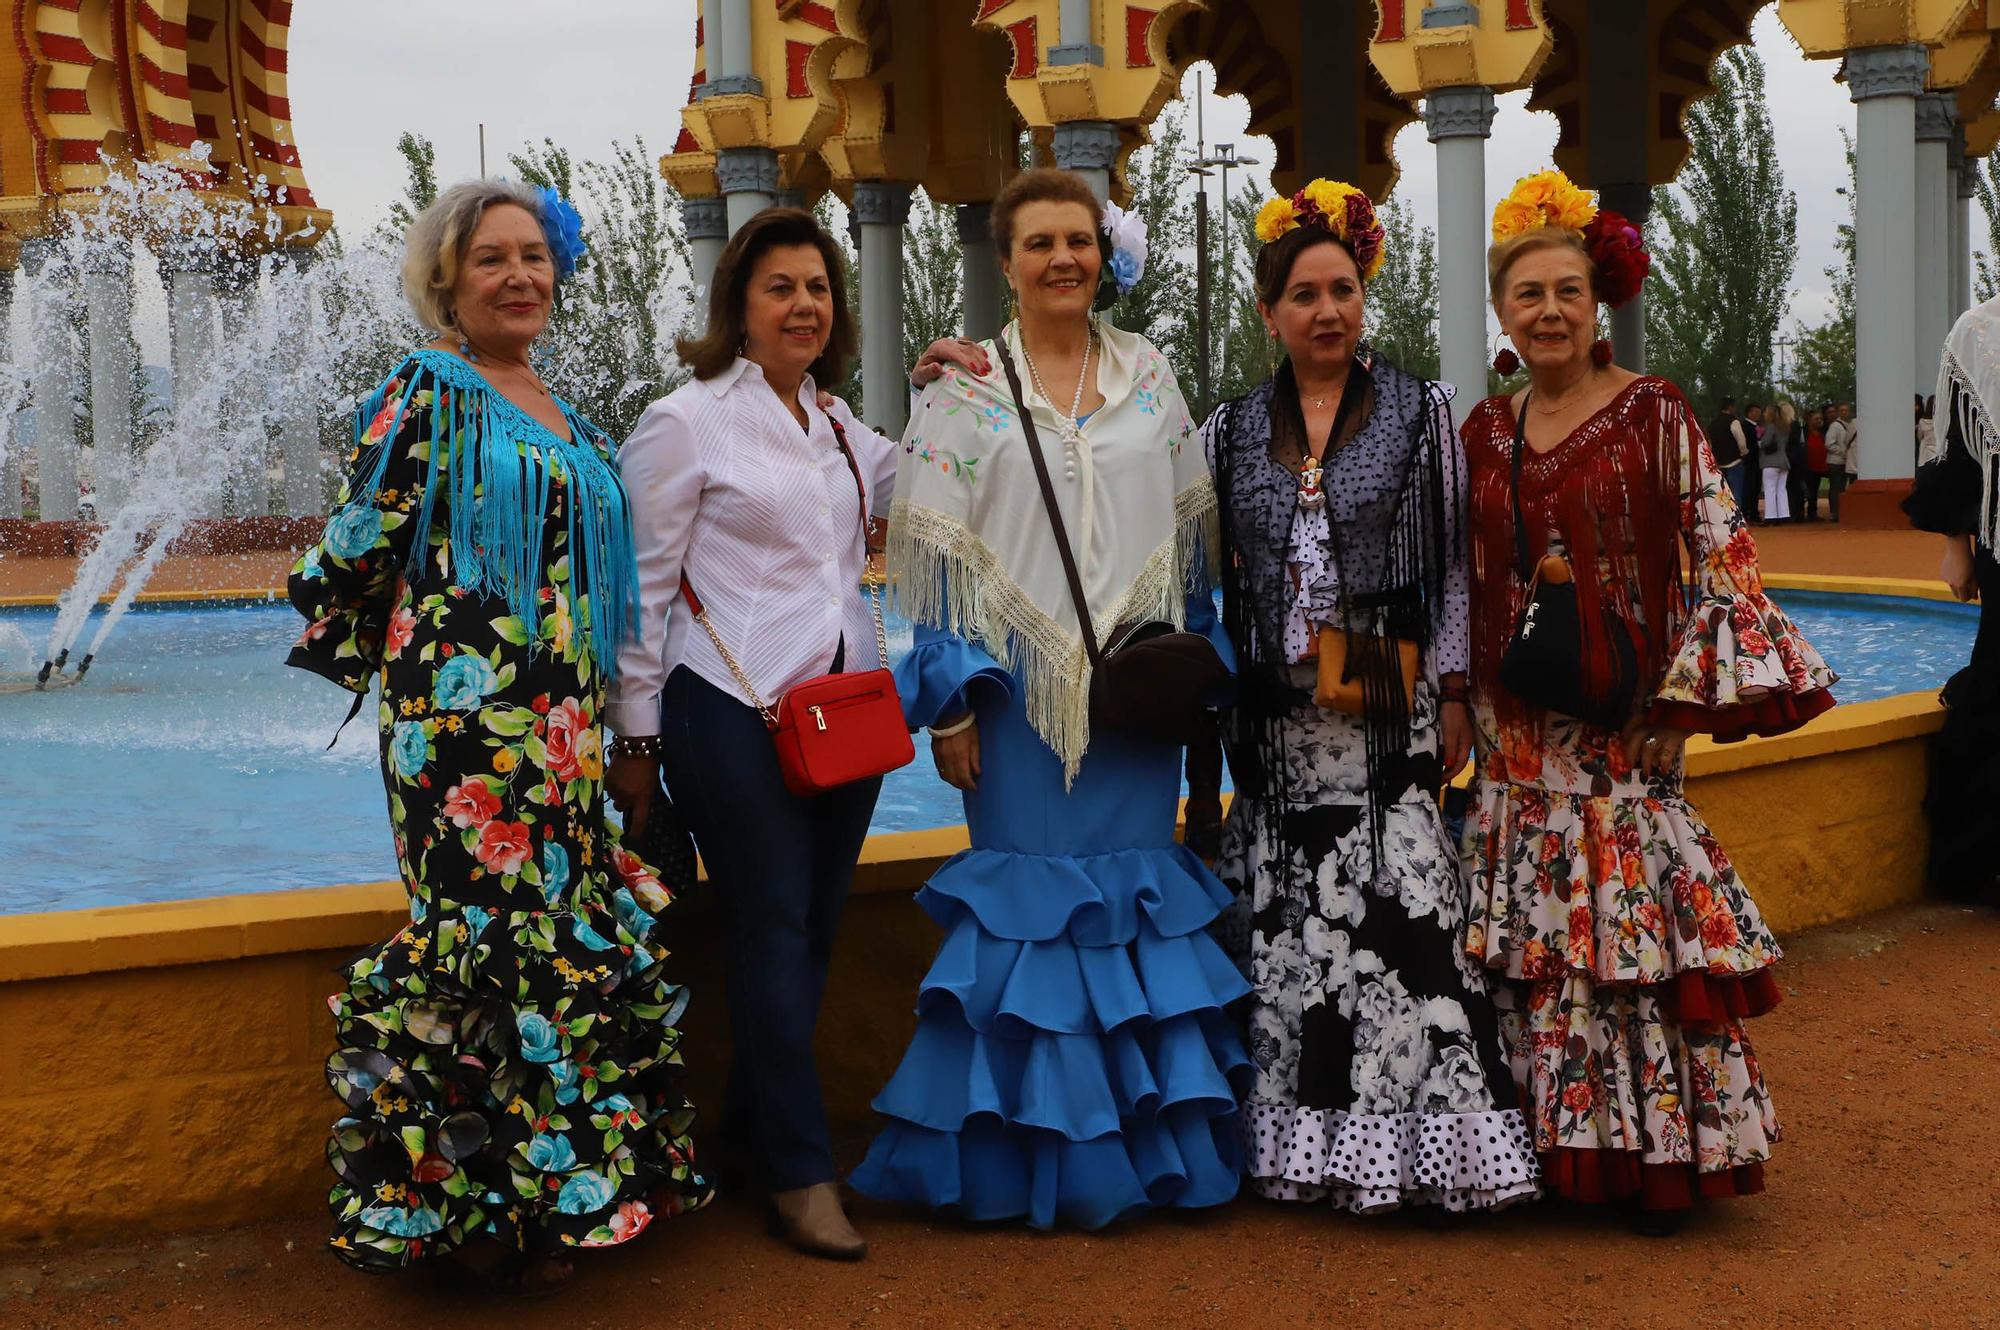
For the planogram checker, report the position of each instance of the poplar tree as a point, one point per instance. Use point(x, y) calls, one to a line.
point(1825, 372)
point(1725, 242)
point(933, 276)
point(1402, 319)
point(1986, 187)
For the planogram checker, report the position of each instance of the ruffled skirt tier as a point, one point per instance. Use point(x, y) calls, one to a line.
point(1072, 1061)
point(510, 1073)
point(1627, 957)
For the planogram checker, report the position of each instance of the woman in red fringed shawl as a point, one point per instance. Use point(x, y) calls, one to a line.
point(1625, 951)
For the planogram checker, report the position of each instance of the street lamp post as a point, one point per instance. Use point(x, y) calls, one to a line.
point(1225, 158)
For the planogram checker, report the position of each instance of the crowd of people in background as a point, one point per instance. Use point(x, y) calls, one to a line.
point(1778, 460)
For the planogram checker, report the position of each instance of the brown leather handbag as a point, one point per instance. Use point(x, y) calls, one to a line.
point(1148, 678)
point(1339, 685)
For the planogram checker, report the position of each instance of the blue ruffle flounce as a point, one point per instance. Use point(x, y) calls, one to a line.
point(1072, 1062)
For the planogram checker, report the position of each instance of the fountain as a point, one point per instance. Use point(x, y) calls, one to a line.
point(284, 351)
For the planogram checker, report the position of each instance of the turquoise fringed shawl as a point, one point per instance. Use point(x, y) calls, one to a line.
point(499, 464)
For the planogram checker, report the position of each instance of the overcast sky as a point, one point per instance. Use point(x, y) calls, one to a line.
point(361, 74)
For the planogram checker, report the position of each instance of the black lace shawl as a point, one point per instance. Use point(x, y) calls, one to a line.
point(1390, 494)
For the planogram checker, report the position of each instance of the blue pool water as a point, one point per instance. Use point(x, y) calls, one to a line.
point(193, 763)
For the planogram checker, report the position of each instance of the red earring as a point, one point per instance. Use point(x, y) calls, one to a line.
point(1506, 364)
point(1600, 352)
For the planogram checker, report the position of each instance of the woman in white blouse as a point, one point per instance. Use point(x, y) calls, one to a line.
point(749, 483)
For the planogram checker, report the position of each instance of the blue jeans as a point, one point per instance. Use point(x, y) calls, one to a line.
point(781, 865)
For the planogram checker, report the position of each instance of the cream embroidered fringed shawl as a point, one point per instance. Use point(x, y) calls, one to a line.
point(1969, 387)
point(971, 549)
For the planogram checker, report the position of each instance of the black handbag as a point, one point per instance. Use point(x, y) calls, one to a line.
point(666, 842)
point(1543, 663)
point(1148, 678)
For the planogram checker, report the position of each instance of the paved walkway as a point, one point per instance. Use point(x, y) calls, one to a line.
point(1884, 1062)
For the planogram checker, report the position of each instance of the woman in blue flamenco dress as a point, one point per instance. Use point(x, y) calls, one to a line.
point(1072, 1062)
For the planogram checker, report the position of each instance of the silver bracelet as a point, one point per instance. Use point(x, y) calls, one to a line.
point(959, 727)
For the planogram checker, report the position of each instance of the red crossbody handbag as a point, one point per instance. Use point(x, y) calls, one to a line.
point(834, 729)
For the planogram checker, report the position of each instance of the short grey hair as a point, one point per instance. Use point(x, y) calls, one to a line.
point(436, 241)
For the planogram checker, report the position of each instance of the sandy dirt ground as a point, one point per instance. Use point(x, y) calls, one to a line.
point(1884, 1061)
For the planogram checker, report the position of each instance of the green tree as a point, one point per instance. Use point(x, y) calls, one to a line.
point(1986, 186)
point(1725, 243)
point(933, 277)
point(1403, 298)
point(609, 348)
point(420, 187)
point(1245, 354)
point(1158, 307)
point(1825, 366)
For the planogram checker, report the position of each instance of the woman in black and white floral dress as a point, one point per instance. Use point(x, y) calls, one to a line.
point(1380, 1077)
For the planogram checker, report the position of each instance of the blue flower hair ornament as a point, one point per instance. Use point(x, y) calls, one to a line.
point(562, 224)
point(1121, 240)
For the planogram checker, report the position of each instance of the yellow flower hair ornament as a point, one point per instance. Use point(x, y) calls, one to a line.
point(1547, 198)
point(1333, 206)
point(1617, 248)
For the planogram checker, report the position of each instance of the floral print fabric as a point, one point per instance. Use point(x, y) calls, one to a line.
point(1626, 951)
point(509, 1058)
point(1380, 1077)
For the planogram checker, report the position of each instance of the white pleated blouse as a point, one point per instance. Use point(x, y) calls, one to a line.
point(763, 518)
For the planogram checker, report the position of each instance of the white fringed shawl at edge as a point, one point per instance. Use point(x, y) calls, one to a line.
point(971, 549)
point(1969, 386)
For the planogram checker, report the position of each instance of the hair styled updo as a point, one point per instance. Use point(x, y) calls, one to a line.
point(1276, 260)
point(1043, 184)
point(1502, 256)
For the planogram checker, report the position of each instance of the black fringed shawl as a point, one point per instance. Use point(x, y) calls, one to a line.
point(1391, 545)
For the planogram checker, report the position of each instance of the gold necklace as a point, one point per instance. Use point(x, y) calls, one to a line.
point(1564, 404)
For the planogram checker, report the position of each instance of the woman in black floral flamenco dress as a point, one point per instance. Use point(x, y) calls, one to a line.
point(1381, 1080)
point(508, 1060)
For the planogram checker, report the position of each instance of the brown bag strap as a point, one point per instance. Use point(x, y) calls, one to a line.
point(1090, 646)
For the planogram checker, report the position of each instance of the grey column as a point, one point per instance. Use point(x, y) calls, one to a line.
point(107, 296)
point(1628, 322)
point(1966, 179)
point(981, 271)
point(731, 62)
point(248, 493)
point(1932, 239)
point(881, 207)
point(1090, 148)
point(1460, 120)
point(189, 276)
point(10, 444)
point(306, 476)
point(706, 222)
point(54, 383)
point(1073, 27)
point(749, 179)
point(1885, 82)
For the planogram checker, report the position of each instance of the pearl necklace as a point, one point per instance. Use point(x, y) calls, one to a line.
point(1072, 433)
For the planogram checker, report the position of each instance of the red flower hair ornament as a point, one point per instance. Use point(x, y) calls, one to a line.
point(1618, 254)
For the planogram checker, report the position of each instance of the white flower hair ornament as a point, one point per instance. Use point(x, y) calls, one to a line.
point(1122, 241)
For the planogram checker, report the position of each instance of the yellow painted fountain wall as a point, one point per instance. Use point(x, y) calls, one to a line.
point(161, 1063)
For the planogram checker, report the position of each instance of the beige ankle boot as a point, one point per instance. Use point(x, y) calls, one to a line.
point(812, 1220)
